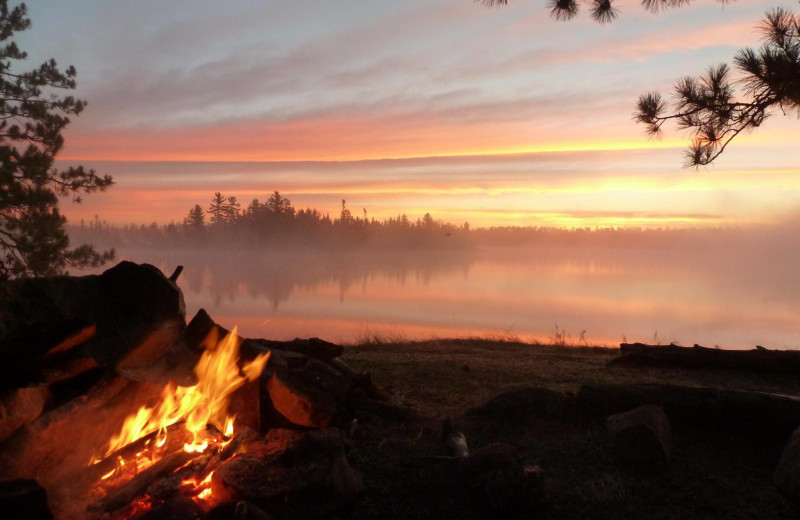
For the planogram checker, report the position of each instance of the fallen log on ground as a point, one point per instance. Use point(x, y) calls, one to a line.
point(755, 360)
point(768, 415)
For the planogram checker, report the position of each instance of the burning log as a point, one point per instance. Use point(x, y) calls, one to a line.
point(757, 360)
point(131, 490)
point(289, 354)
point(37, 449)
point(176, 436)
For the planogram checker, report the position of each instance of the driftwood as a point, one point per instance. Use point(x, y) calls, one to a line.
point(756, 360)
point(769, 415)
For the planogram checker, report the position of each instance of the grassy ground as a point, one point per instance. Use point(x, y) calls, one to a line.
point(713, 474)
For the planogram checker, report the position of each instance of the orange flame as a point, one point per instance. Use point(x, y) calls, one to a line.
point(205, 403)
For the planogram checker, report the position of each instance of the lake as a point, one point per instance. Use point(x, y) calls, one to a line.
point(739, 296)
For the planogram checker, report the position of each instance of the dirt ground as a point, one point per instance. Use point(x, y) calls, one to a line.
point(713, 474)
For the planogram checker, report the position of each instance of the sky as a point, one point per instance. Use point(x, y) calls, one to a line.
point(489, 116)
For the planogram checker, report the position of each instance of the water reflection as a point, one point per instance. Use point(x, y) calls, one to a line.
point(736, 296)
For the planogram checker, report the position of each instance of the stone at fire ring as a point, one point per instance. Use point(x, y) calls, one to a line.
point(787, 474)
point(641, 437)
point(23, 499)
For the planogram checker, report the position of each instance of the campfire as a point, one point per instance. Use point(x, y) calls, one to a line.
point(121, 410)
point(187, 434)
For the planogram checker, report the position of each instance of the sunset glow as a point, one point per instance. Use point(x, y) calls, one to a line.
point(495, 117)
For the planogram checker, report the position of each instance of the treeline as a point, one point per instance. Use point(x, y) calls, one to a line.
point(276, 223)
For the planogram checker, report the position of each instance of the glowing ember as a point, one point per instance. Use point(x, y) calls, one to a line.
point(205, 403)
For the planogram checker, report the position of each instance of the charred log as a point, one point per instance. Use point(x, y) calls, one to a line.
point(310, 479)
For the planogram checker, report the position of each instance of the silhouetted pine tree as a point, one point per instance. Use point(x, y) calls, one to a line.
point(33, 240)
point(709, 106)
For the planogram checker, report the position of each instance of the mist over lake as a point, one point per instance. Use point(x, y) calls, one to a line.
point(734, 289)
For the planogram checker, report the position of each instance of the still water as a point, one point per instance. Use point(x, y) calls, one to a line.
point(736, 297)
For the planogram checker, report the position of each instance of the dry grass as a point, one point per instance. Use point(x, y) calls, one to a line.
point(449, 376)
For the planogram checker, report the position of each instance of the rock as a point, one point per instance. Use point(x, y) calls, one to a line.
point(641, 437)
point(521, 404)
point(770, 416)
point(310, 479)
point(20, 406)
point(787, 474)
point(500, 482)
point(175, 508)
point(241, 510)
point(23, 499)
